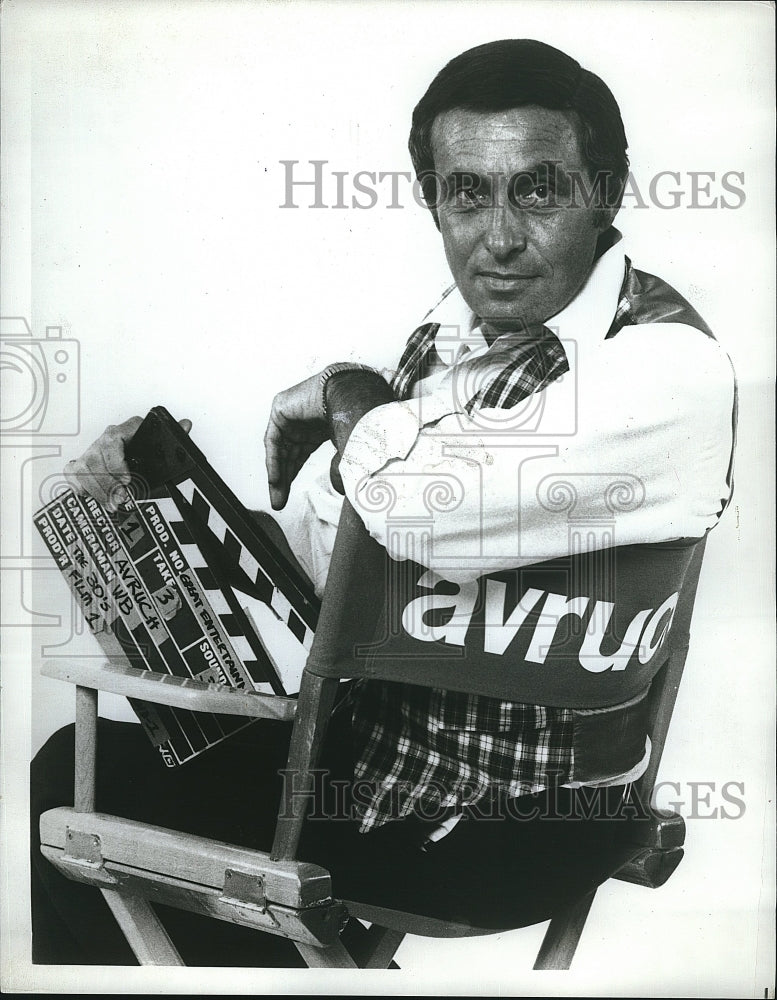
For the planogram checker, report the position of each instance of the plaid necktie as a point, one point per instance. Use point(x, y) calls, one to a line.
point(508, 374)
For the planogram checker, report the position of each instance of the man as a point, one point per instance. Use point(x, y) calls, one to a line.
point(522, 158)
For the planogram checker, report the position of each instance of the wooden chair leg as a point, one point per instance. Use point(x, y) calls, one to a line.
point(563, 933)
point(85, 749)
point(142, 928)
point(383, 946)
point(336, 956)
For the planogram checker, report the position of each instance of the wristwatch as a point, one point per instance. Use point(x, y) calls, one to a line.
point(329, 371)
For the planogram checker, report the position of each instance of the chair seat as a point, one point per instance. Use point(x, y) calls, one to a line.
point(486, 875)
point(295, 898)
point(474, 918)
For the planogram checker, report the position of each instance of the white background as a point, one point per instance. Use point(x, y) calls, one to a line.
point(141, 200)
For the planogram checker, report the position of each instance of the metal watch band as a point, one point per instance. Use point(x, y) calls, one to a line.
point(329, 371)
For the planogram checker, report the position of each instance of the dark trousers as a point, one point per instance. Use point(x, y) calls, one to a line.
point(499, 868)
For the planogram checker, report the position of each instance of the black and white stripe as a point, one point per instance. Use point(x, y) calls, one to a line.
point(240, 555)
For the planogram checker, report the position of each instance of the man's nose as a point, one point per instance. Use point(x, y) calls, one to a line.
point(506, 232)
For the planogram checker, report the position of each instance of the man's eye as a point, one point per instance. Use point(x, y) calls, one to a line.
point(470, 198)
point(534, 196)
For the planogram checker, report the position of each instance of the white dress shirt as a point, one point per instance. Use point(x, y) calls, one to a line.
point(627, 439)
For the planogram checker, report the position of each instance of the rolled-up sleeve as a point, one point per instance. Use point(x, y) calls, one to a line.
point(633, 445)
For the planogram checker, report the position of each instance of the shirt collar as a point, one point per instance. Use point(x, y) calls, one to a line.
point(586, 318)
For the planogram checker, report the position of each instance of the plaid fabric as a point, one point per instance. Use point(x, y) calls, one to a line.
point(411, 757)
point(534, 364)
point(415, 359)
point(423, 749)
point(530, 366)
point(644, 298)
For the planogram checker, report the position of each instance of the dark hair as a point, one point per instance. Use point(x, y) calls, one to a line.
point(515, 72)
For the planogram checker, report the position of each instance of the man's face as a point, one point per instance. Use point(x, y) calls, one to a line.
point(518, 250)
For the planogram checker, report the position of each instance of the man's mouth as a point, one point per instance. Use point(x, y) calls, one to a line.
point(504, 279)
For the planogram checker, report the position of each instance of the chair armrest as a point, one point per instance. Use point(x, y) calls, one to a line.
point(115, 840)
point(165, 689)
point(651, 868)
point(662, 829)
point(291, 899)
point(661, 835)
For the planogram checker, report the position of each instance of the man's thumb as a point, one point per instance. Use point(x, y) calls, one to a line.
point(186, 425)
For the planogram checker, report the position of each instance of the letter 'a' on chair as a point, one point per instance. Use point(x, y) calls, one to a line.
point(360, 634)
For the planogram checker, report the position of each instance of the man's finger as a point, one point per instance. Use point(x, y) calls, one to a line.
point(278, 483)
point(110, 455)
point(278, 497)
point(274, 449)
point(297, 459)
point(99, 480)
point(83, 480)
point(272, 456)
point(102, 469)
point(72, 476)
point(275, 463)
point(126, 431)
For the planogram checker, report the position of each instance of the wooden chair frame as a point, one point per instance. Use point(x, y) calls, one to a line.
point(274, 891)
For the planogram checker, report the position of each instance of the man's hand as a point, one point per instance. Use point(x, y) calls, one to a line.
point(296, 428)
point(297, 425)
point(102, 470)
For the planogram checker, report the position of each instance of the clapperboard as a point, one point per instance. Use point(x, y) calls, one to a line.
point(182, 580)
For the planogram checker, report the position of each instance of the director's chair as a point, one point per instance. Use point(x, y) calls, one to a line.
point(277, 891)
